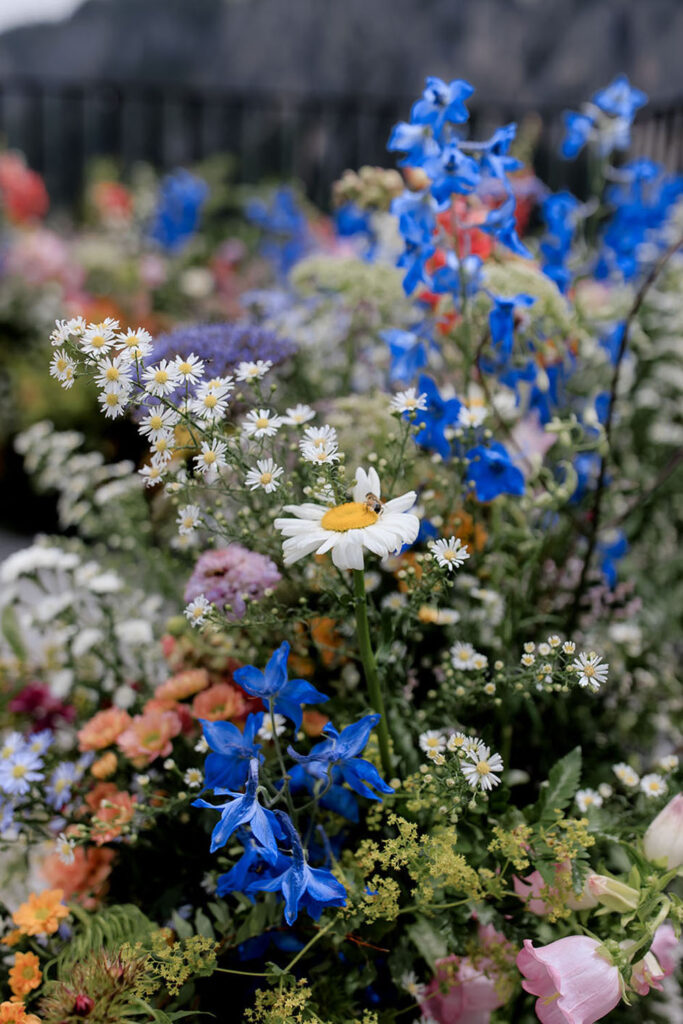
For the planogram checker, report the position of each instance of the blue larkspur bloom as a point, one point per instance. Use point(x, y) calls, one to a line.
point(232, 751)
point(415, 140)
point(502, 323)
point(336, 798)
point(457, 276)
point(578, 130)
point(452, 172)
point(301, 886)
point(501, 224)
point(496, 159)
point(408, 353)
point(246, 869)
point(611, 547)
point(341, 750)
point(416, 212)
point(440, 414)
point(493, 472)
point(620, 98)
point(442, 102)
point(287, 237)
point(245, 809)
point(179, 204)
point(560, 212)
point(272, 685)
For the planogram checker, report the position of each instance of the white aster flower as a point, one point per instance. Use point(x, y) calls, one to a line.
point(158, 421)
point(142, 780)
point(544, 650)
point(113, 401)
point(481, 768)
point(668, 763)
point(527, 660)
point(432, 741)
point(97, 339)
point(265, 733)
point(62, 367)
point(319, 453)
point(586, 798)
point(653, 785)
point(462, 655)
point(162, 449)
point(201, 746)
point(605, 790)
point(65, 329)
point(190, 368)
point(211, 458)
point(161, 379)
point(321, 436)
point(252, 371)
point(298, 415)
point(189, 518)
point(450, 553)
point(554, 640)
point(265, 475)
point(473, 417)
point(457, 743)
point(135, 344)
point(626, 775)
point(193, 778)
point(152, 475)
point(65, 848)
point(590, 670)
point(197, 610)
point(529, 647)
point(479, 662)
point(394, 602)
point(261, 423)
point(569, 647)
point(408, 401)
point(210, 403)
point(411, 985)
point(113, 372)
point(347, 529)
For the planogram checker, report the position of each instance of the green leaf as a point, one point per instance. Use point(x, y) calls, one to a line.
point(11, 632)
point(183, 929)
point(428, 939)
point(203, 925)
point(562, 784)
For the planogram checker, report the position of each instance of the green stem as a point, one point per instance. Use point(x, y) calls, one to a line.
point(370, 668)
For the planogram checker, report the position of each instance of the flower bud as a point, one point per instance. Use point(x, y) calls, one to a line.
point(612, 893)
point(663, 840)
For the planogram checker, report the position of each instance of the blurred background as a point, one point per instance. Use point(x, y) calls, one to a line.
point(113, 112)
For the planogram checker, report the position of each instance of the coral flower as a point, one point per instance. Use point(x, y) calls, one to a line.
point(15, 1013)
point(149, 736)
point(25, 975)
point(104, 766)
point(183, 684)
point(575, 983)
point(41, 913)
point(84, 880)
point(219, 703)
point(103, 729)
point(111, 808)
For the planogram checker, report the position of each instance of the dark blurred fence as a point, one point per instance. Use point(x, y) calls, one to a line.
point(60, 126)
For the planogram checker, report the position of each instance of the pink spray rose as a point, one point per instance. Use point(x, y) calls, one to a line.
point(574, 982)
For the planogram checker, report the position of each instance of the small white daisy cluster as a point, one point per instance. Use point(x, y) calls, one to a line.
point(653, 784)
point(466, 659)
point(479, 766)
point(450, 553)
point(551, 666)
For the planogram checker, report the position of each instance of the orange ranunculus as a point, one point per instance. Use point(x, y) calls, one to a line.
point(326, 638)
point(15, 1013)
point(104, 766)
point(462, 525)
point(103, 729)
point(111, 808)
point(183, 684)
point(26, 974)
point(314, 722)
point(149, 736)
point(219, 703)
point(85, 879)
point(41, 913)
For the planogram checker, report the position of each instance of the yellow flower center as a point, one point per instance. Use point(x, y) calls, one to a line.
point(589, 670)
point(266, 478)
point(112, 399)
point(483, 767)
point(210, 401)
point(352, 515)
point(161, 377)
point(112, 373)
point(156, 422)
point(62, 365)
point(19, 771)
point(97, 341)
point(185, 367)
point(262, 422)
point(132, 341)
point(209, 457)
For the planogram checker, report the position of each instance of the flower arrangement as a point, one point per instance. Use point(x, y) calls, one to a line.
point(353, 700)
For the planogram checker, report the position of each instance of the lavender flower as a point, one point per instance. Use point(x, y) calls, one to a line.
point(225, 576)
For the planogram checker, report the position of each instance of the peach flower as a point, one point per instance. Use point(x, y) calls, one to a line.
point(113, 808)
point(183, 684)
point(104, 766)
point(84, 880)
point(103, 729)
point(149, 736)
point(219, 703)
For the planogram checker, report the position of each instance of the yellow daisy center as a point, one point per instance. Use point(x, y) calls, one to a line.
point(161, 377)
point(262, 422)
point(209, 457)
point(266, 478)
point(18, 771)
point(62, 365)
point(352, 515)
point(112, 399)
point(97, 341)
point(185, 368)
point(112, 373)
point(483, 767)
point(210, 401)
point(156, 422)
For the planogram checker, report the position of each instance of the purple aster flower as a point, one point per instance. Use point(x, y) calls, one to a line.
point(225, 575)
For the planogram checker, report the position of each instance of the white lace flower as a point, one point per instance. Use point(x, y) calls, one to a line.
point(480, 768)
point(450, 553)
point(347, 529)
point(193, 778)
point(265, 475)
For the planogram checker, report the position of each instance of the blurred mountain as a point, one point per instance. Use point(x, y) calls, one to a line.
point(529, 51)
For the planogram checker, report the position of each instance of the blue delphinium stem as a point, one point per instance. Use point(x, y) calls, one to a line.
point(370, 668)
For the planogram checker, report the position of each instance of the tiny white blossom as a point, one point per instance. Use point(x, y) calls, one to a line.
point(408, 401)
point(135, 344)
point(265, 733)
point(62, 366)
point(197, 610)
point(457, 743)
point(554, 640)
point(569, 647)
point(193, 778)
point(590, 670)
point(65, 329)
point(162, 449)
point(544, 650)
point(142, 780)
point(626, 775)
point(586, 798)
point(252, 371)
point(65, 848)
point(189, 518)
point(298, 415)
point(210, 403)
point(527, 660)
point(462, 655)
point(321, 436)
point(653, 785)
point(152, 475)
point(450, 553)
point(211, 458)
point(432, 741)
point(411, 985)
point(480, 662)
point(394, 602)
point(265, 475)
point(201, 746)
point(481, 768)
point(605, 790)
point(113, 401)
point(668, 763)
point(473, 417)
point(261, 423)
point(319, 453)
point(158, 421)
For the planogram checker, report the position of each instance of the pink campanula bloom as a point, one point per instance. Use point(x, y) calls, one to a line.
point(575, 983)
point(466, 989)
point(664, 837)
point(658, 963)
point(532, 886)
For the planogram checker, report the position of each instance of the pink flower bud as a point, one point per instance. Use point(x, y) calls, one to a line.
point(573, 979)
point(663, 840)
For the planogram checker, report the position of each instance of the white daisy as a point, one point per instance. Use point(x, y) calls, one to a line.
point(586, 798)
point(298, 415)
point(265, 733)
point(408, 401)
point(432, 741)
point(193, 778)
point(152, 475)
point(190, 368)
point(97, 339)
point(569, 647)
point(605, 790)
point(158, 422)
point(161, 379)
point(347, 529)
point(457, 743)
point(261, 423)
point(480, 662)
point(188, 519)
point(62, 366)
point(450, 553)
point(265, 475)
point(462, 655)
point(319, 454)
point(210, 403)
point(197, 610)
point(626, 775)
point(135, 344)
point(481, 768)
point(321, 436)
point(201, 746)
point(668, 763)
point(394, 602)
point(473, 417)
point(114, 372)
point(527, 660)
point(653, 785)
point(411, 985)
point(211, 458)
point(591, 671)
point(65, 848)
point(544, 650)
point(113, 401)
point(65, 329)
point(252, 371)
point(554, 640)
point(162, 449)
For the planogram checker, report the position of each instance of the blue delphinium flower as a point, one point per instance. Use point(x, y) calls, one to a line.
point(502, 323)
point(442, 103)
point(301, 886)
point(501, 223)
point(335, 797)
point(452, 172)
point(341, 750)
point(578, 130)
point(620, 98)
point(408, 353)
point(246, 869)
point(560, 213)
point(181, 197)
point(59, 788)
point(287, 236)
point(18, 771)
point(457, 276)
point(496, 159)
point(351, 221)
point(232, 751)
point(414, 257)
point(245, 809)
point(493, 472)
point(544, 396)
point(440, 414)
point(415, 140)
point(611, 547)
point(271, 685)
